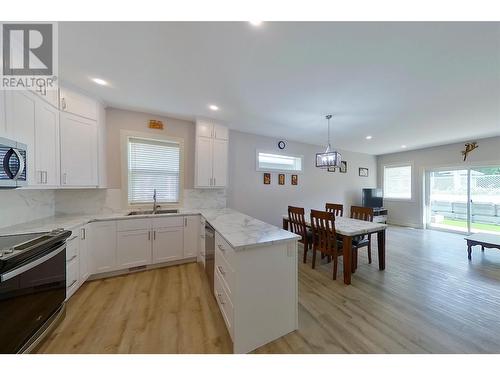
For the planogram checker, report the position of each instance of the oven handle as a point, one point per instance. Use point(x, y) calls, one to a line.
point(9, 275)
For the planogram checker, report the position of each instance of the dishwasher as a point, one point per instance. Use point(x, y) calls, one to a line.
point(210, 254)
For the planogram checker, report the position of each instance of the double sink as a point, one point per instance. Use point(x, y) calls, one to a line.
point(150, 212)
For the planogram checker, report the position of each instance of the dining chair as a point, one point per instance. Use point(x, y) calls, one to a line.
point(335, 208)
point(365, 214)
point(324, 237)
point(297, 225)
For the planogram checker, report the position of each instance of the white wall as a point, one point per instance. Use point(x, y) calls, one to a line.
point(410, 213)
point(248, 194)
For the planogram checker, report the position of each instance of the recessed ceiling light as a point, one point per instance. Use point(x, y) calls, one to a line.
point(255, 23)
point(100, 81)
point(213, 107)
point(368, 137)
point(403, 146)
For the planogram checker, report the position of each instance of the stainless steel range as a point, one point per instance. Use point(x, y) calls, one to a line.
point(32, 287)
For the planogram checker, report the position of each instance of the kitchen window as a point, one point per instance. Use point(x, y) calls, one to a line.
point(267, 161)
point(153, 164)
point(398, 182)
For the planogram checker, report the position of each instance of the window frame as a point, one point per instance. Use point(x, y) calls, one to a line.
point(259, 169)
point(412, 182)
point(125, 135)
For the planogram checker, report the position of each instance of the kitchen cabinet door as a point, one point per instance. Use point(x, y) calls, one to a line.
point(167, 244)
point(20, 124)
point(203, 176)
point(83, 254)
point(219, 163)
point(102, 247)
point(46, 145)
point(191, 236)
point(221, 132)
point(133, 248)
point(78, 104)
point(204, 129)
point(78, 151)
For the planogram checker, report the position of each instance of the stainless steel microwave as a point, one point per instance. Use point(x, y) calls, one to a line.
point(13, 171)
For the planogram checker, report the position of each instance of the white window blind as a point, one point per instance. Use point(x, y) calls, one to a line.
point(278, 162)
point(397, 182)
point(153, 165)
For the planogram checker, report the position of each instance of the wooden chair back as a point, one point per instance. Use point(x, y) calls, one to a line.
point(362, 213)
point(335, 209)
point(323, 231)
point(297, 221)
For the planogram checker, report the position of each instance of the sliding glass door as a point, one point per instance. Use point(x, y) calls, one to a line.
point(464, 200)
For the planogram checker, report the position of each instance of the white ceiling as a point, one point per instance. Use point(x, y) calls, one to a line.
point(418, 84)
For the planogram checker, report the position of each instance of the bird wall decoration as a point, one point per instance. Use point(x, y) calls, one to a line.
point(468, 148)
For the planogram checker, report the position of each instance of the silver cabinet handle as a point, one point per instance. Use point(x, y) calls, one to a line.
point(221, 248)
point(154, 235)
point(221, 270)
point(44, 177)
point(83, 233)
point(73, 257)
point(149, 235)
point(220, 299)
point(65, 178)
point(63, 103)
point(185, 222)
point(215, 181)
point(40, 181)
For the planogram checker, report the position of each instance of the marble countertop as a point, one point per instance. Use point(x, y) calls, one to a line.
point(239, 230)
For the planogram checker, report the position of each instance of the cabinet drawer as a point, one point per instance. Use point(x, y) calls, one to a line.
point(72, 273)
point(72, 246)
point(224, 271)
point(133, 224)
point(225, 304)
point(168, 222)
point(225, 250)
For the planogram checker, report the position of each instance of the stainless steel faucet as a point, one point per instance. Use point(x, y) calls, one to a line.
point(154, 202)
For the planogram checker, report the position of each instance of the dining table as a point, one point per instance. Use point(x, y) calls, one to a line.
point(346, 229)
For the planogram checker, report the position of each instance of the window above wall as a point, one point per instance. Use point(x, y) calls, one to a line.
point(153, 164)
point(398, 182)
point(273, 162)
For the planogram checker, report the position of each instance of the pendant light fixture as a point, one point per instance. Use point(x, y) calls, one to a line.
point(328, 158)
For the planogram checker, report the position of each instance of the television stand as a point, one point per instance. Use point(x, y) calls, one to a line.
point(380, 215)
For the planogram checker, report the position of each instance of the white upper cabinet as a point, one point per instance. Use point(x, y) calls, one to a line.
point(211, 155)
point(20, 124)
point(78, 104)
point(47, 160)
point(79, 151)
point(219, 163)
point(49, 96)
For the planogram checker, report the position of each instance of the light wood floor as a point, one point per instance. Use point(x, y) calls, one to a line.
point(429, 299)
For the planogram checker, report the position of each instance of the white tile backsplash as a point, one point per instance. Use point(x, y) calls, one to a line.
point(19, 206)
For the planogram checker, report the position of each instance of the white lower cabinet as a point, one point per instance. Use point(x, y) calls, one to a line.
point(191, 236)
point(72, 263)
point(167, 244)
point(134, 248)
point(102, 246)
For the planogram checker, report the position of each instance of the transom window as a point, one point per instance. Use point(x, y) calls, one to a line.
point(278, 162)
point(153, 164)
point(397, 182)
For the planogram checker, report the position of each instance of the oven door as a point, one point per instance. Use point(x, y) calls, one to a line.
point(29, 295)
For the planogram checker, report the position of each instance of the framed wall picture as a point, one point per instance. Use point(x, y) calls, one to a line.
point(281, 179)
point(267, 178)
point(363, 172)
point(343, 167)
point(295, 179)
point(331, 169)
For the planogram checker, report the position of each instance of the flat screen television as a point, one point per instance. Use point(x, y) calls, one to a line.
point(373, 198)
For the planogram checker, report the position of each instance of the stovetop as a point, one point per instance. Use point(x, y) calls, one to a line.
point(17, 248)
